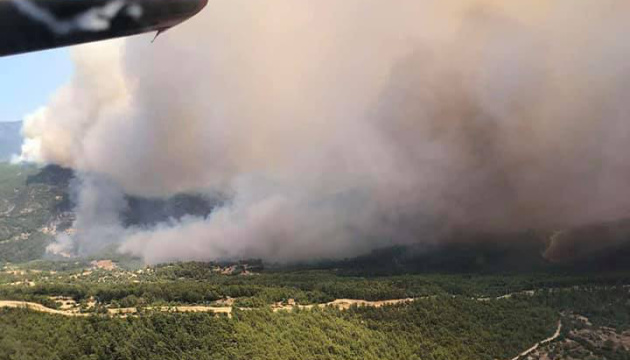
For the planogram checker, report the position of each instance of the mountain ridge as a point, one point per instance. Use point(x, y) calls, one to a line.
point(10, 139)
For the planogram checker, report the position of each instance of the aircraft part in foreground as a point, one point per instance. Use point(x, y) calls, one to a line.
point(31, 25)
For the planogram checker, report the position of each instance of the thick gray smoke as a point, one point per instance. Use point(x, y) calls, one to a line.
point(340, 126)
point(97, 224)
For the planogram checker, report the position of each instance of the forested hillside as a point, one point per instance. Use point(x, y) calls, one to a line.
point(477, 296)
point(37, 203)
point(433, 329)
point(31, 210)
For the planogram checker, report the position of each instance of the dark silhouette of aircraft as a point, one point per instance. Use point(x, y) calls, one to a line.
point(31, 25)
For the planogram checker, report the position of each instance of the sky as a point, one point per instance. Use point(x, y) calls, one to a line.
point(27, 81)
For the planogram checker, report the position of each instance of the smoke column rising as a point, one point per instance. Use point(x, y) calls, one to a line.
point(338, 127)
point(97, 224)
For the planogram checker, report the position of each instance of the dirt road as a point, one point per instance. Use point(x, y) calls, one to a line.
point(343, 304)
point(38, 307)
point(543, 342)
point(181, 309)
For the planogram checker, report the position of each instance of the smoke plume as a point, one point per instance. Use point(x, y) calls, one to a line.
point(97, 224)
point(336, 127)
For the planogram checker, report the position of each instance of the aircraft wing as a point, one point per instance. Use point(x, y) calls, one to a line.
point(31, 25)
